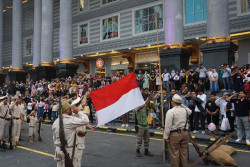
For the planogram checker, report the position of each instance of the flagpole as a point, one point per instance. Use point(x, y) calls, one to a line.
point(159, 62)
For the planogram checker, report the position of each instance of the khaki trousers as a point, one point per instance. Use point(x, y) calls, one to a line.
point(178, 149)
point(142, 134)
point(16, 130)
point(60, 157)
point(4, 129)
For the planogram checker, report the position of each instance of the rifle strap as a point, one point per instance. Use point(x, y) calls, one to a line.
point(74, 148)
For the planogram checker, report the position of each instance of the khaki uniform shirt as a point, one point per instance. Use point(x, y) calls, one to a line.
point(16, 111)
point(176, 118)
point(70, 124)
point(3, 110)
point(32, 122)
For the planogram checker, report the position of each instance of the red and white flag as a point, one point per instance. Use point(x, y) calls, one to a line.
point(117, 99)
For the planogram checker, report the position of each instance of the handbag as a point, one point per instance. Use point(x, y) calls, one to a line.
point(225, 126)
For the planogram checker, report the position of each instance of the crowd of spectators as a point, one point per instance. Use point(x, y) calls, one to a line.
point(191, 84)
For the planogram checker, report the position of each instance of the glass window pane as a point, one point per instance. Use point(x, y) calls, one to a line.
point(189, 2)
point(189, 19)
point(110, 28)
point(83, 33)
point(198, 16)
point(83, 5)
point(145, 19)
point(189, 10)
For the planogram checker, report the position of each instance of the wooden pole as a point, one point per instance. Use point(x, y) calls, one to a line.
point(159, 62)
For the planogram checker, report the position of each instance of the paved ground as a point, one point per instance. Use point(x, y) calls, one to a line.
point(104, 149)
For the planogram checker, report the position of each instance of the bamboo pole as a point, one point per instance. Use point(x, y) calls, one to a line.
point(159, 61)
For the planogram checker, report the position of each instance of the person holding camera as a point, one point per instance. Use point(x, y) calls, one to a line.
point(176, 132)
point(237, 80)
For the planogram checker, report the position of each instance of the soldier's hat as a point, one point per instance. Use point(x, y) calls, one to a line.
point(177, 99)
point(76, 101)
point(65, 105)
point(3, 97)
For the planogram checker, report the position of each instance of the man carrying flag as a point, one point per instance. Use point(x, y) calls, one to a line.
point(117, 99)
point(143, 127)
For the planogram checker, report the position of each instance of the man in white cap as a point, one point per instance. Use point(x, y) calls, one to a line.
point(16, 116)
point(81, 131)
point(70, 124)
point(176, 132)
point(4, 121)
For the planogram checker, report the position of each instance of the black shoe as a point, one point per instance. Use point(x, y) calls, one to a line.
point(148, 153)
point(138, 154)
point(4, 146)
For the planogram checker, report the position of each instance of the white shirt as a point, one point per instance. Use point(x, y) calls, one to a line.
point(226, 73)
point(166, 76)
point(202, 72)
point(55, 107)
point(40, 104)
point(29, 106)
point(203, 97)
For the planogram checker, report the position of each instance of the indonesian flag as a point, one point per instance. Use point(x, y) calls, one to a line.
point(117, 99)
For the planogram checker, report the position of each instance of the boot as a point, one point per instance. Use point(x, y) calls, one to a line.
point(138, 154)
point(17, 144)
point(148, 153)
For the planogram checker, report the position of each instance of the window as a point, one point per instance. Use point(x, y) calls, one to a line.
point(28, 47)
point(107, 1)
point(145, 19)
point(110, 28)
point(83, 34)
point(195, 10)
point(83, 5)
point(245, 6)
point(28, 22)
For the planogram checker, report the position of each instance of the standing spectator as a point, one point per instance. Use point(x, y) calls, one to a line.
point(158, 82)
point(177, 81)
point(191, 105)
point(199, 114)
point(172, 93)
point(226, 73)
point(172, 83)
point(188, 80)
point(213, 78)
point(54, 107)
point(165, 77)
point(165, 100)
point(139, 79)
point(237, 80)
point(222, 103)
point(202, 73)
point(213, 112)
point(152, 84)
point(242, 110)
point(40, 108)
point(146, 80)
point(125, 119)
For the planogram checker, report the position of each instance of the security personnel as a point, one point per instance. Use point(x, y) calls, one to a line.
point(4, 121)
point(176, 132)
point(70, 124)
point(16, 116)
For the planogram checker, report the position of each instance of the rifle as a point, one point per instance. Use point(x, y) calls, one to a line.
point(63, 142)
point(39, 129)
point(10, 125)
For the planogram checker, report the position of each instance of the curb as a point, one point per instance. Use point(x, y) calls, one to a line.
point(160, 134)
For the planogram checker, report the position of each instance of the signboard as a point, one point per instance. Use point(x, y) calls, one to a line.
point(99, 63)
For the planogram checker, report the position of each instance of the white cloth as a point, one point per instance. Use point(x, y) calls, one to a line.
point(203, 97)
point(226, 73)
point(202, 72)
point(222, 103)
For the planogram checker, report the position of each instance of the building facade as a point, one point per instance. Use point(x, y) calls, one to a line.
point(120, 32)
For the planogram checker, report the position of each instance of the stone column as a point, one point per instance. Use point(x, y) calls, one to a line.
point(37, 32)
point(36, 39)
point(67, 67)
point(2, 75)
point(218, 49)
point(46, 68)
point(17, 73)
point(175, 56)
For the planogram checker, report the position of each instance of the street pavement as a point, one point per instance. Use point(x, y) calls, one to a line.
point(103, 149)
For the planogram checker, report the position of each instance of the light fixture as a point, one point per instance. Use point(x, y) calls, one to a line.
point(97, 53)
point(129, 48)
point(197, 37)
point(149, 45)
point(81, 55)
point(112, 50)
point(146, 65)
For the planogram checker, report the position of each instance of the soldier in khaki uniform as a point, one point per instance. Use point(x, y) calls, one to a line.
point(176, 132)
point(70, 124)
point(16, 116)
point(4, 121)
point(81, 131)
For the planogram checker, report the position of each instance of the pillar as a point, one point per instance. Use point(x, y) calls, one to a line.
point(218, 49)
point(176, 55)
point(36, 38)
point(46, 68)
point(17, 73)
point(66, 67)
point(2, 75)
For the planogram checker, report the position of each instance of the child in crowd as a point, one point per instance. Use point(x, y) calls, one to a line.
point(32, 125)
